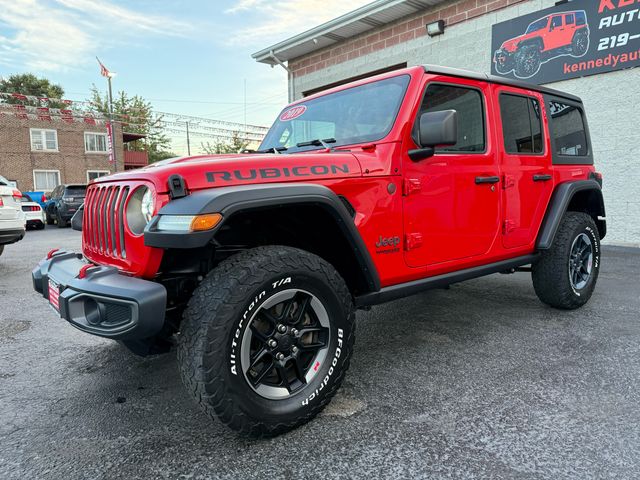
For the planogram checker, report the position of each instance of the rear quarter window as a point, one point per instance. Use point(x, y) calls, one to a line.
point(569, 132)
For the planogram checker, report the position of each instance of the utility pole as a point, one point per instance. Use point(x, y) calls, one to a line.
point(186, 123)
point(188, 142)
point(113, 137)
point(245, 109)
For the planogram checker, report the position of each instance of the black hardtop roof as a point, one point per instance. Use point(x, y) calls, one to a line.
point(457, 72)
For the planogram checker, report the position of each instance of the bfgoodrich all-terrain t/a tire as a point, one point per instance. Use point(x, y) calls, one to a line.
point(266, 339)
point(566, 274)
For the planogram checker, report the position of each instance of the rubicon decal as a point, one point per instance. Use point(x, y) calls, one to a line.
point(292, 113)
point(273, 172)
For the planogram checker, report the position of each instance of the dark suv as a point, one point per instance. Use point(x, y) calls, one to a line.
point(63, 203)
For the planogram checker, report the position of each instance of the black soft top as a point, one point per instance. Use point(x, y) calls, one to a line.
point(456, 72)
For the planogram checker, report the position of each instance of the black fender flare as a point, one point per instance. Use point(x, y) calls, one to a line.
point(558, 205)
point(233, 199)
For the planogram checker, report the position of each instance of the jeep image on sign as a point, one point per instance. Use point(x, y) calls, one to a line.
point(255, 263)
point(575, 39)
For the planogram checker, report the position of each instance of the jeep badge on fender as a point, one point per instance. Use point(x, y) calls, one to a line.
point(255, 264)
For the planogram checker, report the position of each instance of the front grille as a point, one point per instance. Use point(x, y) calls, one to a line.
point(103, 228)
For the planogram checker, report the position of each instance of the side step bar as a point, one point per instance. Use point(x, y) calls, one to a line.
point(395, 292)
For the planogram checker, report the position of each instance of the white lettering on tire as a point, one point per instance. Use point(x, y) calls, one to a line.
point(327, 377)
point(233, 357)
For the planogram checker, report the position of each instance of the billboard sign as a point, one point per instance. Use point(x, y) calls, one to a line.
point(574, 39)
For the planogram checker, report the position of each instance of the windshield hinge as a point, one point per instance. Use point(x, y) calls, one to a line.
point(177, 187)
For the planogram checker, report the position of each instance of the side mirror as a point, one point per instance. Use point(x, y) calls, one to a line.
point(76, 220)
point(435, 129)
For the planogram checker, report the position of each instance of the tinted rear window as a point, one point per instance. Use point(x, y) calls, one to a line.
point(75, 191)
point(568, 130)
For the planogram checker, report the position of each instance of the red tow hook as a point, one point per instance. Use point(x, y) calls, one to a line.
point(83, 271)
point(52, 253)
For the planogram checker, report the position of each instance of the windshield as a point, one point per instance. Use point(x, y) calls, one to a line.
point(3, 181)
point(538, 25)
point(356, 115)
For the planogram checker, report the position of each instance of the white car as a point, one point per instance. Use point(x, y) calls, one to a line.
point(12, 219)
point(33, 212)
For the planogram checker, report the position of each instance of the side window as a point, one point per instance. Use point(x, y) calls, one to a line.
point(468, 103)
point(567, 129)
point(568, 19)
point(556, 22)
point(521, 124)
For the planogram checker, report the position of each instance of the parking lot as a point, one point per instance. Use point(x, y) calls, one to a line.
point(478, 381)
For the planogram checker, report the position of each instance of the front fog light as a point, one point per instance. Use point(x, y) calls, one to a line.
point(188, 223)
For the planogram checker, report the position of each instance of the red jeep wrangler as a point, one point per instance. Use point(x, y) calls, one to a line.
point(359, 195)
point(565, 33)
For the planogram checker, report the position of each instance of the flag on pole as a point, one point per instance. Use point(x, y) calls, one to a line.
point(104, 71)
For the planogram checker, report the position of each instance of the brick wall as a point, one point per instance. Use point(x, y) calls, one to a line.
point(18, 161)
point(401, 31)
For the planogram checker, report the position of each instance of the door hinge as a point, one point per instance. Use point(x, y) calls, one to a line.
point(412, 241)
point(411, 186)
point(508, 226)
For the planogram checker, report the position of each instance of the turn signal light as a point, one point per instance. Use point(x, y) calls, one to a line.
point(201, 223)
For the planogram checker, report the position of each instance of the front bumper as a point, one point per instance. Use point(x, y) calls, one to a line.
point(101, 301)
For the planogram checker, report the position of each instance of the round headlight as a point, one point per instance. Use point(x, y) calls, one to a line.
point(140, 210)
point(147, 205)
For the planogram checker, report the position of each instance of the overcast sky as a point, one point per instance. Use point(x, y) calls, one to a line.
point(189, 57)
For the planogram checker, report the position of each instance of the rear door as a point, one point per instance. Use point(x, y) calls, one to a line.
point(451, 201)
point(525, 164)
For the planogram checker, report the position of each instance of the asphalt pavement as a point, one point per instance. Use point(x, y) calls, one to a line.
point(478, 381)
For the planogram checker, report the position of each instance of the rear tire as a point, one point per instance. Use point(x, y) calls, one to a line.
point(50, 220)
point(580, 44)
point(60, 222)
point(566, 274)
point(39, 226)
point(1, 249)
point(266, 339)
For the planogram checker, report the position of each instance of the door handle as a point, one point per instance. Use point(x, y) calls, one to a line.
point(542, 178)
point(482, 180)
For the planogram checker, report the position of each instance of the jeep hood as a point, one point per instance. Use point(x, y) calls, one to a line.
point(209, 171)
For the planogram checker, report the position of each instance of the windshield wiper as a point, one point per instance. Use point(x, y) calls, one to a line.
point(271, 150)
point(317, 143)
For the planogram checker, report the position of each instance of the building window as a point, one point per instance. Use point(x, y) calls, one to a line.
point(44, 140)
point(521, 124)
point(93, 174)
point(95, 142)
point(468, 103)
point(46, 180)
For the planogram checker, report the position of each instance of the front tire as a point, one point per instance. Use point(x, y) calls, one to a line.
point(266, 339)
point(566, 274)
point(527, 61)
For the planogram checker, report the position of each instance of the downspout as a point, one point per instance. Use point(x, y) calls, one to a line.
point(292, 88)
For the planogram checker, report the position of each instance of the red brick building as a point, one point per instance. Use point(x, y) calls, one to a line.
point(40, 154)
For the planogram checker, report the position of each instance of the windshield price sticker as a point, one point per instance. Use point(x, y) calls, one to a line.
point(293, 112)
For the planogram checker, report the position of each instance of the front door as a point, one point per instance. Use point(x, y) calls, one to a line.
point(452, 200)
